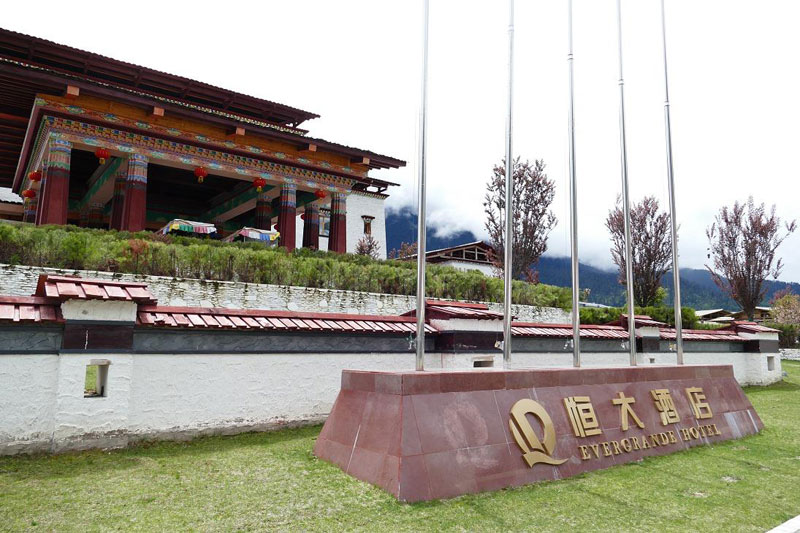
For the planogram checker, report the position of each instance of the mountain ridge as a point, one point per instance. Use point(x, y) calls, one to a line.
point(698, 289)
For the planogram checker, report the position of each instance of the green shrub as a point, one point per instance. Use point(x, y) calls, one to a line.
point(189, 257)
point(593, 315)
point(787, 334)
point(710, 326)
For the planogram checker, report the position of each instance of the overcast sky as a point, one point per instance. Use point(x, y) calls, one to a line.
point(734, 82)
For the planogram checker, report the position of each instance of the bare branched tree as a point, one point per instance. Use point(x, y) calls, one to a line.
point(743, 241)
point(533, 220)
point(367, 245)
point(786, 309)
point(652, 254)
point(406, 250)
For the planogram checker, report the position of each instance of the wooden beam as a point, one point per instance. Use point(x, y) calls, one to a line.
point(72, 91)
point(13, 118)
point(360, 160)
point(10, 209)
point(158, 111)
point(309, 147)
point(101, 183)
point(237, 131)
point(241, 203)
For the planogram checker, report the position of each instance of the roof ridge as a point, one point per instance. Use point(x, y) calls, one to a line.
point(275, 313)
point(134, 65)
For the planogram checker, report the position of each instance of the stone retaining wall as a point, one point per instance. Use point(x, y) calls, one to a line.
point(792, 354)
point(21, 281)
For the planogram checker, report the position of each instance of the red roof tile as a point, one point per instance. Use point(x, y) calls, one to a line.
point(529, 329)
point(29, 309)
point(703, 335)
point(752, 327)
point(215, 318)
point(642, 321)
point(445, 309)
point(69, 287)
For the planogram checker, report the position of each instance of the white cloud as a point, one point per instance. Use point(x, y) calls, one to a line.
point(733, 87)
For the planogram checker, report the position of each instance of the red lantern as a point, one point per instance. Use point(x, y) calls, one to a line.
point(320, 194)
point(29, 193)
point(35, 175)
point(259, 184)
point(102, 154)
point(200, 173)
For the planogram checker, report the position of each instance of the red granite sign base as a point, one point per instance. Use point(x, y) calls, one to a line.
point(433, 435)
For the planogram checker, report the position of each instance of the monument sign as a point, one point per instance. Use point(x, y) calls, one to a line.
point(430, 435)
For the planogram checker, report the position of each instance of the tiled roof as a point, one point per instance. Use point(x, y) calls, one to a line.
point(445, 309)
point(522, 329)
point(67, 288)
point(48, 54)
point(528, 329)
point(215, 318)
point(642, 321)
point(752, 327)
point(703, 335)
point(29, 309)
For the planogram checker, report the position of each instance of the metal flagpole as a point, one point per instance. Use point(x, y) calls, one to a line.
point(626, 208)
point(509, 237)
point(421, 170)
point(573, 206)
point(676, 278)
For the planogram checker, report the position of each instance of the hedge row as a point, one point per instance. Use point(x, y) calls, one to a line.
point(788, 334)
point(592, 315)
point(188, 257)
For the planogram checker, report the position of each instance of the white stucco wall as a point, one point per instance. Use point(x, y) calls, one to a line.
point(358, 205)
point(487, 270)
point(170, 396)
point(21, 281)
point(748, 368)
point(174, 396)
point(82, 423)
point(28, 385)
point(109, 311)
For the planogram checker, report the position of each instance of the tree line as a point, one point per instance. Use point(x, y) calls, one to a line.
point(743, 239)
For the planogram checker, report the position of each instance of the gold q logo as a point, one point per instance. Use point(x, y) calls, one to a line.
point(534, 450)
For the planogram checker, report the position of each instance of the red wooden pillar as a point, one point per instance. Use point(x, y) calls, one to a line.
point(287, 215)
point(263, 211)
point(311, 227)
point(337, 242)
point(55, 197)
point(134, 209)
point(118, 200)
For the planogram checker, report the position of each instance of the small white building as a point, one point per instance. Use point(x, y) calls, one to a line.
point(714, 316)
point(470, 256)
point(366, 215)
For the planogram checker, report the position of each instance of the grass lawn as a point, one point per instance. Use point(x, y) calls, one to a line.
point(271, 481)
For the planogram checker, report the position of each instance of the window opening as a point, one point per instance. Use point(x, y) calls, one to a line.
point(96, 379)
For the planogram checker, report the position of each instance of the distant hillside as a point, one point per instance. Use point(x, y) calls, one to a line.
point(402, 227)
point(697, 288)
point(605, 288)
